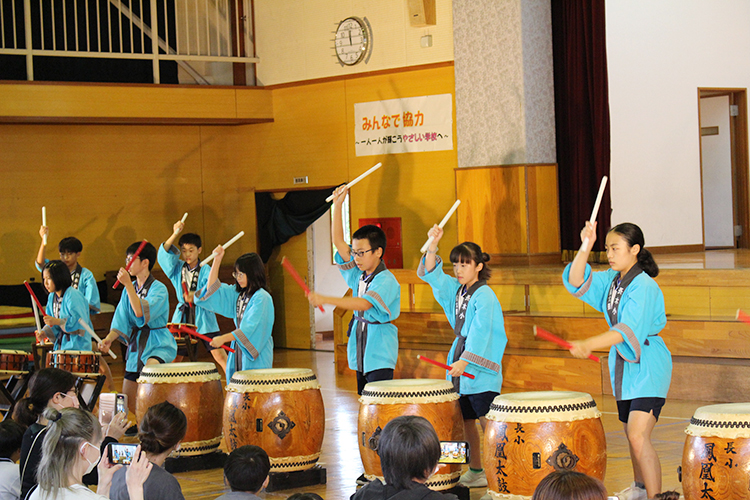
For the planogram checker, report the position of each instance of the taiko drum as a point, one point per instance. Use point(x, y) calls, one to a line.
point(13, 362)
point(435, 400)
point(79, 363)
point(194, 388)
point(531, 434)
point(280, 410)
point(716, 457)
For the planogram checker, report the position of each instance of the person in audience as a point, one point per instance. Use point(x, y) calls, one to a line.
point(569, 485)
point(11, 435)
point(246, 473)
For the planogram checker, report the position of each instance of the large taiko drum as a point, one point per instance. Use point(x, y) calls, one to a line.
point(13, 362)
point(531, 434)
point(436, 400)
point(716, 457)
point(195, 388)
point(79, 363)
point(280, 410)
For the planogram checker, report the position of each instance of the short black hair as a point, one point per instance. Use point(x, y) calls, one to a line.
point(252, 266)
point(11, 435)
point(148, 252)
point(190, 239)
point(307, 495)
point(247, 468)
point(373, 234)
point(70, 244)
point(409, 449)
point(59, 273)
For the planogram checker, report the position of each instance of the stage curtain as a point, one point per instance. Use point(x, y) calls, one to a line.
point(279, 220)
point(581, 117)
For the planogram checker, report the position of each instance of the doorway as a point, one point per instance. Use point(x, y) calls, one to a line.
point(724, 167)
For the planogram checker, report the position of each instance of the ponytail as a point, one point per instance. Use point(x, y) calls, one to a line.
point(647, 263)
point(468, 251)
point(633, 235)
point(43, 386)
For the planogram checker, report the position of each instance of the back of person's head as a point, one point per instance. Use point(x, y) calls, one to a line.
point(305, 496)
point(11, 435)
point(246, 468)
point(43, 385)
point(409, 449)
point(633, 235)
point(190, 239)
point(569, 485)
point(667, 495)
point(67, 431)
point(70, 244)
point(148, 252)
point(60, 275)
point(163, 426)
point(251, 265)
point(374, 236)
point(468, 252)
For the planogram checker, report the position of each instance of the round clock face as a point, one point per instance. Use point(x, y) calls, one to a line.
point(352, 41)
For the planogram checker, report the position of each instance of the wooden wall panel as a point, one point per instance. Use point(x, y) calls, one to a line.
point(544, 227)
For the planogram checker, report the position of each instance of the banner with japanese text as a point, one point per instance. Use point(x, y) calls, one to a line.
point(409, 125)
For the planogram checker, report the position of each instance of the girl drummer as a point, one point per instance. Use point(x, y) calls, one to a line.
point(640, 364)
point(475, 314)
point(251, 307)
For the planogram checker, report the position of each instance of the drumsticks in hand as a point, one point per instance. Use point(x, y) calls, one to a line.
point(542, 333)
point(442, 365)
point(130, 263)
point(293, 272)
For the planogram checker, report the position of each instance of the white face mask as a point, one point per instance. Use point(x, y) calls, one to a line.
point(93, 464)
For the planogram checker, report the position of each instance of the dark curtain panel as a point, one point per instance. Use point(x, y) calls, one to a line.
point(581, 116)
point(279, 220)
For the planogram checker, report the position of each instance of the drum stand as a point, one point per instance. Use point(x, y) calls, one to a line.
point(213, 460)
point(80, 385)
point(12, 390)
point(461, 491)
point(297, 479)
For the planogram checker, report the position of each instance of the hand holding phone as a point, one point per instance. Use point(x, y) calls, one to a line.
point(454, 452)
point(120, 453)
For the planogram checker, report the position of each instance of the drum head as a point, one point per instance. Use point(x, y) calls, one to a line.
point(178, 373)
point(543, 406)
point(273, 379)
point(77, 353)
point(408, 390)
point(728, 421)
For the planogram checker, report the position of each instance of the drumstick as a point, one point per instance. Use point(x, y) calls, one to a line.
point(33, 296)
point(184, 289)
point(184, 217)
point(595, 211)
point(441, 225)
point(132, 259)
point(91, 332)
point(540, 332)
point(442, 365)
point(290, 268)
point(201, 336)
point(349, 186)
point(44, 223)
point(741, 316)
point(36, 317)
point(225, 246)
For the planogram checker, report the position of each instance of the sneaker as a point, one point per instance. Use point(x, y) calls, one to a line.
point(472, 479)
point(632, 492)
point(362, 480)
point(132, 431)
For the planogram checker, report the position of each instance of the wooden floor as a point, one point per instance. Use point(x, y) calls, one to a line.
point(340, 455)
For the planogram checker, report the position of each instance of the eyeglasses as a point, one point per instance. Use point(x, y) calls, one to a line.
point(236, 275)
point(65, 255)
point(361, 253)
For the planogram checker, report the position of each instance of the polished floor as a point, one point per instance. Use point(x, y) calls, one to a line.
point(340, 455)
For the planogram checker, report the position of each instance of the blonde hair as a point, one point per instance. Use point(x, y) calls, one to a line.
point(67, 430)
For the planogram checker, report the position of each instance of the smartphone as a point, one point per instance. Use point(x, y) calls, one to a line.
point(120, 453)
point(121, 404)
point(454, 452)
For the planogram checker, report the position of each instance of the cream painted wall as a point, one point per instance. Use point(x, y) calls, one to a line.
point(295, 37)
point(659, 53)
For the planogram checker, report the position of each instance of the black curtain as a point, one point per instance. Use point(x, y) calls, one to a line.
point(279, 220)
point(581, 117)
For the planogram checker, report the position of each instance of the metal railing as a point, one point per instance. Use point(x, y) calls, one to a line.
point(184, 30)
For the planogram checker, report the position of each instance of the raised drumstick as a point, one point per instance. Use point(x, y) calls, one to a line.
point(291, 270)
point(368, 172)
point(91, 332)
point(184, 217)
point(225, 246)
point(36, 317)
point(192, 332)
point(542, 333)
point(185, 289)
point(33, 296)
point(595, 211)
point(441, 225)
point(442, 365)
point(741, 316)
point(132, 259)
point(44, 223)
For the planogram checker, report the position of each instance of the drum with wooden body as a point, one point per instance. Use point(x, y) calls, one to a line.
point(79, 363)
point(179, 335)
point(436, 400)
point(716, 457)
point(531, 434)
point(280, 410)
point(13, 362)
point(195, 388)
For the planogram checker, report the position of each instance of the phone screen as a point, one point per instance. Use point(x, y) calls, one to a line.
point(120, 453)
point(120, 406)
point(454, 452)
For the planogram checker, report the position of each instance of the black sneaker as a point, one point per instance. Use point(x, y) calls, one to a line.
point(362, 480)
point(132, 431)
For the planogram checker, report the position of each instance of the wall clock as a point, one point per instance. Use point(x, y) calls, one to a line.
point(352, 41)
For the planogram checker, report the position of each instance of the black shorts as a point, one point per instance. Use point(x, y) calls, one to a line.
point(646, 405)
point(474, 406)
point(133, 376)
point(373, 376)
